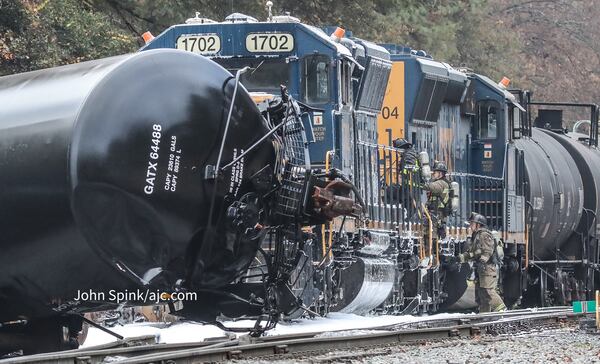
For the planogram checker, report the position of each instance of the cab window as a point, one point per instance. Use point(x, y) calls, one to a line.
point(316, 79)
point(487, 120)
point(264, 75)
point(346, 82)
point(514, 118)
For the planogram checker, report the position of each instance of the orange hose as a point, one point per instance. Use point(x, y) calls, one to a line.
point(430, 227)
point(326, 243)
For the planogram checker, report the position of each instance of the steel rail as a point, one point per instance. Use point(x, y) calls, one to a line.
point(328, 343)
point(125, 347)
point(228, 348)
point(432, 321)
point(295, 346)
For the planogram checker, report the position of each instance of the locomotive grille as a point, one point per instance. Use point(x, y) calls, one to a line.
point(294, 162)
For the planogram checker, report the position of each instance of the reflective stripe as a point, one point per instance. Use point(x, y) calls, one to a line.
point(445, 198)
point(499, 308)
point(446, 195)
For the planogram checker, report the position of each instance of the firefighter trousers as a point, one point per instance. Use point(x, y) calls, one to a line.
point(487, 297)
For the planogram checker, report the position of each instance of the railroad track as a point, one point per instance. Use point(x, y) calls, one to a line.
point(138, 350)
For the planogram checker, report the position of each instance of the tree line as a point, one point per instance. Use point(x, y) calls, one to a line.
point(545, 45)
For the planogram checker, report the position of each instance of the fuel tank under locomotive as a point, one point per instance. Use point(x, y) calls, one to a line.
point(102, 177)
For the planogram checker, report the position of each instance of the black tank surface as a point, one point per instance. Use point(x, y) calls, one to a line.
point(555, 192)
point(102, 176)
point(588, 162)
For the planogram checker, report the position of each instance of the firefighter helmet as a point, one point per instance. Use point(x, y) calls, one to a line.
point(478, 218)
point(440, 166)
point(401, 143)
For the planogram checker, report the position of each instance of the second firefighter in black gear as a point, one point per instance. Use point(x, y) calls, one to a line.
point(483, 252)
point(438, 199)
point(400, 183)
point(409, 155)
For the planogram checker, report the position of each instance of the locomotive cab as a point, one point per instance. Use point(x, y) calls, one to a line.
point(279, 52)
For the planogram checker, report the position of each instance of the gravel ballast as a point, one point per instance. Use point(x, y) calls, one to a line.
point(556, 346)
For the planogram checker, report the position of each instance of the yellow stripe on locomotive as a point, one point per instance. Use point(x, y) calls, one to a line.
point(390, 122)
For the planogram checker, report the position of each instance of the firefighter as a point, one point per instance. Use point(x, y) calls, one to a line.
point(438, 199)
point(483, 252)
point(403, 166)
point(409, 155)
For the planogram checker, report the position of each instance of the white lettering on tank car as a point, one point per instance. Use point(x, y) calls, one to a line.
point(172, 176)
point(237, 173)
point(152, 168)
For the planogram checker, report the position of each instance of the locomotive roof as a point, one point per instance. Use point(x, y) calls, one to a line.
point(230, 29)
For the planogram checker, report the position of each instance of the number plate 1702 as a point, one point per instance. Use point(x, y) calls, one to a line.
point(200, 43)
point(269, 42)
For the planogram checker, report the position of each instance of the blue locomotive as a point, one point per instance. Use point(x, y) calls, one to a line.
point(480, 128)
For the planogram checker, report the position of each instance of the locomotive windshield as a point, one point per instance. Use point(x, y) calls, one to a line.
point(266, 75)
point(316, 79)
point(488, 120)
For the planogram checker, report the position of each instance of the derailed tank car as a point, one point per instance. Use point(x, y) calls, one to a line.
point(102, 180)
point(152, 172)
